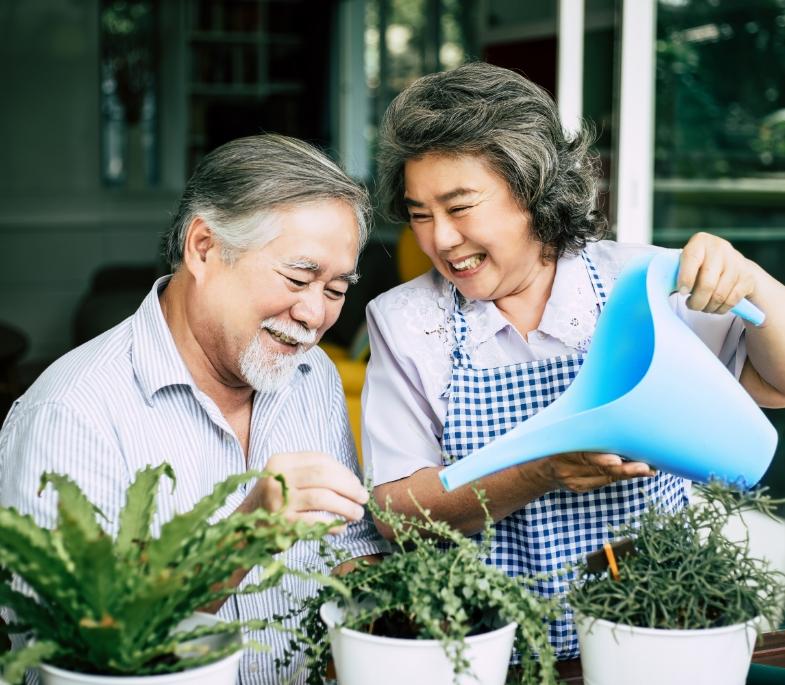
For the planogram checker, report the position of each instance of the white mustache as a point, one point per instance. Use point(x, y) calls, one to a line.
point(304, 336)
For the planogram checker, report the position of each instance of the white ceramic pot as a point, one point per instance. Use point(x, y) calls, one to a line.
point(222, 672)
point(361, 658)
point(617, 654)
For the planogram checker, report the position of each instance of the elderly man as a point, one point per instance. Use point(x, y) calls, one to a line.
point(217, 371)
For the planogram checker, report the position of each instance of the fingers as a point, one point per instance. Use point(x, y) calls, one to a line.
point(718, 300)
point(319, 488)
point(594, 460)
point(692, 257)
point(714, 274)
point(316, 469)
point(325, 500)
point(705, 286)
point(584, 471)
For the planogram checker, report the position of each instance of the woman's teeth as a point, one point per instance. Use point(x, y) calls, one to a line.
point(468, 263)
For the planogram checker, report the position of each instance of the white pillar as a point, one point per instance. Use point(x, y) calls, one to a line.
point(635, 151)
point(353, 106)
point(569, 82)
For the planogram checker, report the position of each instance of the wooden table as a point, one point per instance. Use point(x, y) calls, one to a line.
point(769, 652)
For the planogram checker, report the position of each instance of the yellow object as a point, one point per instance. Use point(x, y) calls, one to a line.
point(611, 560)
point(334, 352)
point(412, 261)
point(352, 373)
point(351, 361)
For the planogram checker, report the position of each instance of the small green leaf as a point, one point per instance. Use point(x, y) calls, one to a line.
point(179, 530)
point(16, 662)
point(88, 546)
point(72, 503)
point(137, 515)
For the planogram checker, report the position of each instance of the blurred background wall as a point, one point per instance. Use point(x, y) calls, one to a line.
point(109, 104)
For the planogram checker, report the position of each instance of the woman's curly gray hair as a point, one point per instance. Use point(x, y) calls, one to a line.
point(498, 115)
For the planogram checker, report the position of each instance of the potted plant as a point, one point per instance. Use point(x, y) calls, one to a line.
point(429, 612)
point(682, 603)
point(103, 609)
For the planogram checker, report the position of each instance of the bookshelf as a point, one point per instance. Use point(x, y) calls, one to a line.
point(253, 66)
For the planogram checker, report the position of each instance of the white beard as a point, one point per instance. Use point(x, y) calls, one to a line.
point(265, 370)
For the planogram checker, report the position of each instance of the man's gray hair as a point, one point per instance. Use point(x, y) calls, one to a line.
point(512, 124)
point(237, 189)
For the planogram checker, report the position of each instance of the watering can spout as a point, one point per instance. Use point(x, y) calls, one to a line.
point(648, 390)
point(555, 436)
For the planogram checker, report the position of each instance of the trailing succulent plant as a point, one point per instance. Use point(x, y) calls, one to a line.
point(683, 572)
point(104, 605)
point(428, 590)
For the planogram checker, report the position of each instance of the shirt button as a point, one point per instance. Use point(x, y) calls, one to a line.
point(253, 667)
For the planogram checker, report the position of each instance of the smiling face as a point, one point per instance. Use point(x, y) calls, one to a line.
point(256, 316)
point(467, 221)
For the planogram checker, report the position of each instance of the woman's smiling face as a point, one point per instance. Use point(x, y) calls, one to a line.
point(467, 221)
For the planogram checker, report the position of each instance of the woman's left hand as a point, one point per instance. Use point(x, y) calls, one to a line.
point(717, 277)
point(715, 274)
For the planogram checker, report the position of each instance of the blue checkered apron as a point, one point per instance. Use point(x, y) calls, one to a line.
point(560, 527)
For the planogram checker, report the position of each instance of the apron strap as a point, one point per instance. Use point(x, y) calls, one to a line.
point(596, 281)
point(460, 331)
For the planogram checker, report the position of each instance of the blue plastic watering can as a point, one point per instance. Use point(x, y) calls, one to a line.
point(648, 390)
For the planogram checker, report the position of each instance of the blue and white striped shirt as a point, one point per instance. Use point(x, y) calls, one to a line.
point(126, 399)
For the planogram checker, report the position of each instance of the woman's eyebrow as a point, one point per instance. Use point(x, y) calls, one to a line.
point(444, 197)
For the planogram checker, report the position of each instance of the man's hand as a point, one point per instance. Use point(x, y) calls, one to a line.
point(584, 471)
point(319, 488)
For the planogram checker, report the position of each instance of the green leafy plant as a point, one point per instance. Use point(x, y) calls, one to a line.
point(110, 606)
point(429, 590)
point(684, 572)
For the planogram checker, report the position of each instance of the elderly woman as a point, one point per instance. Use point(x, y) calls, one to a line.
point(476, 161)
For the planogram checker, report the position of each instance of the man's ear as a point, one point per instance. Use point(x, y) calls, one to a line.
point(200, 244)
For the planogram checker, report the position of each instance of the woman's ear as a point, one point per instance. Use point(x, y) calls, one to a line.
point(200, 243)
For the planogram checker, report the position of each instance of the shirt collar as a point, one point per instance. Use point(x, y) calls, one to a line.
point(154, 355)
point(569, 316)
point(571, 312)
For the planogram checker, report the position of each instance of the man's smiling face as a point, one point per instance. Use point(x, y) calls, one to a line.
point(273, 303)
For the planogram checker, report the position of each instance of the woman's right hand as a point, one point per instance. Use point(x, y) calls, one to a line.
point(584, 471)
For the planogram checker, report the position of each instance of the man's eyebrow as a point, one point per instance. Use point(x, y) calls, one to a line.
point(303, 264)
point(444, 197)
point(308, 264)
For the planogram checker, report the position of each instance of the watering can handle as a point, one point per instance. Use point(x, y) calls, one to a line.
point(744, 309)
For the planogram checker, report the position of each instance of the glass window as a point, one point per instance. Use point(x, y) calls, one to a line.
point(406, 39)
point(720, 121)
point(720, 134)
point(129, 102)
point(599, 49)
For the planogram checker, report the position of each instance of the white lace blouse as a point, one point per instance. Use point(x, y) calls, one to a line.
point(404, 401)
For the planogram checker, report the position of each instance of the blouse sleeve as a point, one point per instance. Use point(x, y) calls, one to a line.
point(400, 428)
point(723, 334)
